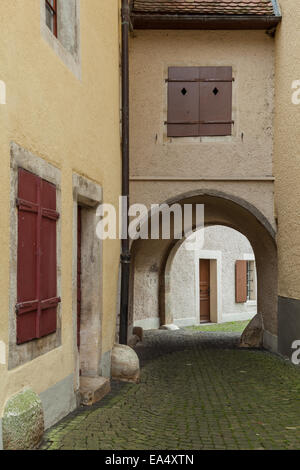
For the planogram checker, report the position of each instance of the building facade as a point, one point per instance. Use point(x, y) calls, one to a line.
point(214, 117)
point(60, 159)
point(202, 132)
point(286, 170)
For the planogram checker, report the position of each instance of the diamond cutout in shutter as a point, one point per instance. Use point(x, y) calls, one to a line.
point(183, 91)
point(215, 91)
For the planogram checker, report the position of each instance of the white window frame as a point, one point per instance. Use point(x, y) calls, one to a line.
point(251, 257)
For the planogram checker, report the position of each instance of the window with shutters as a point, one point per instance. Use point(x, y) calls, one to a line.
point(37, 300)
point(199, 101)
point(245, 281)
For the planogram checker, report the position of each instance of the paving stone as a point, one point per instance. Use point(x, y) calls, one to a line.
point(198, 390)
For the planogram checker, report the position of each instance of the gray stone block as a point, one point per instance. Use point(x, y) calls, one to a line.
point(252, 336)
point(125, 364)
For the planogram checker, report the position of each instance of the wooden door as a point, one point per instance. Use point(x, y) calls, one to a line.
point(204, 279)
point(78, 274)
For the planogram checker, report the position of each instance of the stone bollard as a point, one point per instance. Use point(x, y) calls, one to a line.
point(125, 364)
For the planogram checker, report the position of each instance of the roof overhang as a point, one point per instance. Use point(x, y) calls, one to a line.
point(196, 22)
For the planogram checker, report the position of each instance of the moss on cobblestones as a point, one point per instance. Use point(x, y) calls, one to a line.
point(197, 391)
point(236, 326)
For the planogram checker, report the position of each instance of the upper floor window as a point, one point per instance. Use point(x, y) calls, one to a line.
point(199, 101)
point(51, 15)
point(60, 27)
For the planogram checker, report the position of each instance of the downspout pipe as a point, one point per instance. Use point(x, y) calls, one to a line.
point(125, 248)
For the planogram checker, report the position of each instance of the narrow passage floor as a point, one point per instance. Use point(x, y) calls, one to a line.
point(198, 390)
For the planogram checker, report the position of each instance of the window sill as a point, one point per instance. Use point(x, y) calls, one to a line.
point(198, 140)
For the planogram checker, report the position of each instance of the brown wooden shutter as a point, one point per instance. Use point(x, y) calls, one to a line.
point(36, 277)
point(199, 101)
point(215, 101)
point(241, 281)
point(183, 102)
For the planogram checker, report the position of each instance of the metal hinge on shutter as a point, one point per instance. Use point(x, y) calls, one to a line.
point(199, 122)
point(197, 80)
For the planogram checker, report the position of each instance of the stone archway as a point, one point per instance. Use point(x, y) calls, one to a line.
point(150, 258)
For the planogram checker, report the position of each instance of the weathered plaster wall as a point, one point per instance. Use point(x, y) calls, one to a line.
point(58, 400)
point(240, 165)
point(258, 193)
point(248, 152)
point(183, 287)
point(287, 172)
point(287, 150)
point(184, 277)
point(74, 125)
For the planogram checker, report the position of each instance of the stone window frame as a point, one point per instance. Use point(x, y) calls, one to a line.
point(89, 195)
point(72, 61)
point(23, 353)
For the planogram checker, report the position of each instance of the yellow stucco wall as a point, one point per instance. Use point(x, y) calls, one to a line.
point(287, 149)
point(74, 125)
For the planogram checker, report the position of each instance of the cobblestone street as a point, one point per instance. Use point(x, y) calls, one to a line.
point(197, 391)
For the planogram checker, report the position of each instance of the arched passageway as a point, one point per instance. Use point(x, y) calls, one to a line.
point(149, 284)
point(215, 282)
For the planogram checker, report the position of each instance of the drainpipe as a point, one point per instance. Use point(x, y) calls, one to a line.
point(125, 253)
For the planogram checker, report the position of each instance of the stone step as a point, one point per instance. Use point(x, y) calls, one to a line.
point(93, 389)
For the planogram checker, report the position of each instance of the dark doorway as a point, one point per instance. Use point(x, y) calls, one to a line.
point(78, 274)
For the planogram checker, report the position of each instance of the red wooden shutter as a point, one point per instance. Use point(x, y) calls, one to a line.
point(48, 261)
point(241, 281)
point(183, 102)
point(215, 101)
point(36, 277)
point(27, 307)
